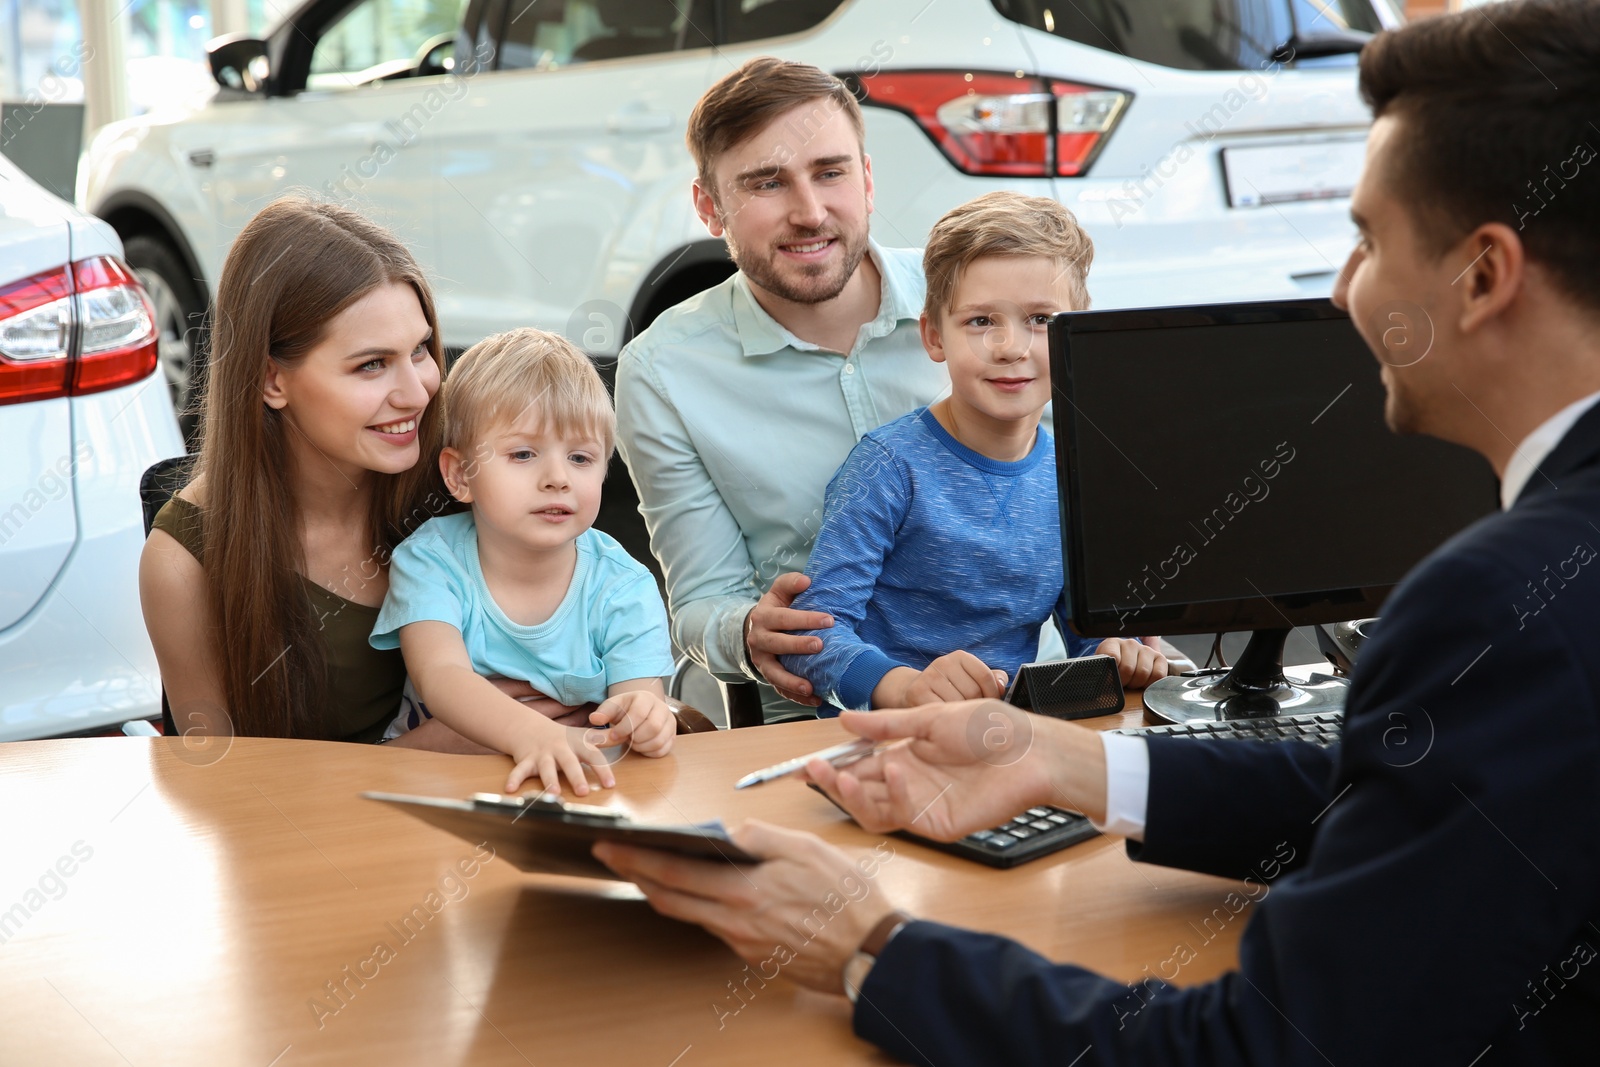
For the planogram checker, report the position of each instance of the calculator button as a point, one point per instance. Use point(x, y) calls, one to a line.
point(1040, 825)
point(1060, 820)
point(1019, 832)
point(982, 835)
point(1002, 841)
point(1038, 813)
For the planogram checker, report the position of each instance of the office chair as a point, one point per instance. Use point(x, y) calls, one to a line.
point(156, 486)
point(740, 700)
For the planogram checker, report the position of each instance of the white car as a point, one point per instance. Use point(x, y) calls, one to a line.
point(83, 412)
point(531, 152)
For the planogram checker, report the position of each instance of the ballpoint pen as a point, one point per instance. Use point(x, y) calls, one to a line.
point(841, 755)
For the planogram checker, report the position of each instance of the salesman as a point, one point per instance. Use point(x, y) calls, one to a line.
point(1444, 910)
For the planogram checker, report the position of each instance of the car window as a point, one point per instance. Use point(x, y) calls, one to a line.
point(475, 35)
point(1193, 34)
point(380, 38)
point(751, 20)
point(545, 34)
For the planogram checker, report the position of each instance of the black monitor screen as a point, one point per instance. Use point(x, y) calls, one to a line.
point(1229, 468)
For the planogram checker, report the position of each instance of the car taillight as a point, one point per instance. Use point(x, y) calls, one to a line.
point(35, 337)
point(117, 336)
point(1085, 117)
point(1001, 124)
point(77, 329)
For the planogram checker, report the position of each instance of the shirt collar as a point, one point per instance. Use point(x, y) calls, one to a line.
point(1537, 445)
point(760, 334)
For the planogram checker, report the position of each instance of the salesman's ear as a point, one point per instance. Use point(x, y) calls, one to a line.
point(1495, 275)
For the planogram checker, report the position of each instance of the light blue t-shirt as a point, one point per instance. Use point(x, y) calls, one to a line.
point(610, 627)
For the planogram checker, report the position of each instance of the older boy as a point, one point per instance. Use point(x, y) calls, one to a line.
point(940, 553)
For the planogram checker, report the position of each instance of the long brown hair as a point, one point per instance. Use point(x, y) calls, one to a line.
point(292, 268)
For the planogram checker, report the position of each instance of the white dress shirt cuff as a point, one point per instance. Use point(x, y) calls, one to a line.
point(1127, 785)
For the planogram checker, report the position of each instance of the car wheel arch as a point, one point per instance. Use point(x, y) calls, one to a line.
point(688, 269)
point(135, 214)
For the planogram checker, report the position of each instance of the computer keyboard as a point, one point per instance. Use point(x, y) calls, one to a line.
point(1322, 729)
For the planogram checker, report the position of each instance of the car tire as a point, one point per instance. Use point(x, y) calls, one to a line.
point(180, 319)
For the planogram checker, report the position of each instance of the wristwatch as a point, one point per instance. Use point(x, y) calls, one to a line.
point(857, 966)
point(746, 662)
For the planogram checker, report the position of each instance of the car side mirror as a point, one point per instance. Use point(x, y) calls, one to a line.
point(239, 64)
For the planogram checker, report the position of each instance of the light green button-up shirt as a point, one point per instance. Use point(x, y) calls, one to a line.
point(732, 427)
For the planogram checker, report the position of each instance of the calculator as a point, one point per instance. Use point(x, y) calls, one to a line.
point(1036, 832)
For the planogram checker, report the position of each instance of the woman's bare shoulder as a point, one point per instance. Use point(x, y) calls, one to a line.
point(194, 492)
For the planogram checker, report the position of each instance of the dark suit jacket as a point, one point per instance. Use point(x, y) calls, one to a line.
point(1426, 893)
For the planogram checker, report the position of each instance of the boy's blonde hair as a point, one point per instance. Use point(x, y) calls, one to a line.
point(501, 377)
point(1004, 224)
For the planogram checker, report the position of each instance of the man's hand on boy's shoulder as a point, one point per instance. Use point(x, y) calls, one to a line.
point(1139, 664)
point(767, 636)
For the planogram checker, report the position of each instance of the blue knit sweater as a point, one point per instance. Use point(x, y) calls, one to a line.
point(927, 547)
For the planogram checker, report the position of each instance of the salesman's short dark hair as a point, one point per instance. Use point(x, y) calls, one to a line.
point(1498, 111)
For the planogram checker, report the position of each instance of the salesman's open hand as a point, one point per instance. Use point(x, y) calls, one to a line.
point(967, 766)
point(802, 912)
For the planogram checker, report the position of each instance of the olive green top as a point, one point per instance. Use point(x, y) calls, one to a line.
point(364, 683)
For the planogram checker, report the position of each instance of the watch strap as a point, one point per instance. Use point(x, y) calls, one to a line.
point(876, 940)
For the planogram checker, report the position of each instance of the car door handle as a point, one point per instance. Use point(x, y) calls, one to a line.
point(638, 119)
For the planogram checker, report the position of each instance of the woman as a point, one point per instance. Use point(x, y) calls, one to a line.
point(263, 576)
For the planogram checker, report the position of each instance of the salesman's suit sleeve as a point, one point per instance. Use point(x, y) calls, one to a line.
point(1455, 860)
point(1219, 808)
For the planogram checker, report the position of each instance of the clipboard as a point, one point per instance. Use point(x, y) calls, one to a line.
point(547, 836)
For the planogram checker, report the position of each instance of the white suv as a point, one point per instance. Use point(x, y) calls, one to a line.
point(83, 413)
point(531, 151)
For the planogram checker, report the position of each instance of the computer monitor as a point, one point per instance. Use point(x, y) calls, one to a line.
point(1227, 467)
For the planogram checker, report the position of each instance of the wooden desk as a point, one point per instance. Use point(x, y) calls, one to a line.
point(212, 907)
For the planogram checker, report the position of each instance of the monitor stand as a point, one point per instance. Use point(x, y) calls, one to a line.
point(1255, 687)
